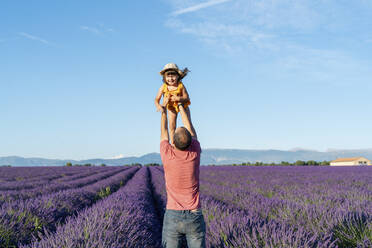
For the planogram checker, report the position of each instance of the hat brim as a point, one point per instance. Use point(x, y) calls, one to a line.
point(162, 72)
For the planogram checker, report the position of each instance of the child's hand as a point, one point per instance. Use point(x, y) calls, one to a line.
point(160, 109)
point(175, 98)
point(165, 101)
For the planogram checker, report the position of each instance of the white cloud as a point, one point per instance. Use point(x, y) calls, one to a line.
point(117, 157)
point(296, 149)
point(209, 29)
point(319, 66)
point(265, 24)
point(98, 30)
point(32, 37)
point(103, 28)
point(240, 24)
point(300, 15)
point(90, 29)
point(273, 15)
point(296, 39)
point(231, 38)
point(198, 7)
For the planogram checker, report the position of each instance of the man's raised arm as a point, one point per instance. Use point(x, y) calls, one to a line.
point(164, 124)
point(186, 119)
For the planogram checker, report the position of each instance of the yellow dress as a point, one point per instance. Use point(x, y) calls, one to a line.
point(177, 92)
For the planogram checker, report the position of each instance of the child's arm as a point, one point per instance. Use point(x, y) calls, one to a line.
point(157, 100)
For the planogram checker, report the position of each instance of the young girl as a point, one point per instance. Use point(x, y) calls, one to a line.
point(174, 93)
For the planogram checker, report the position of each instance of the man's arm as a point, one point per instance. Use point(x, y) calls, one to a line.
point(186, 119)
point(164, 125)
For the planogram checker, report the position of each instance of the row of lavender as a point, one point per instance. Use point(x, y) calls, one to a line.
point(127, 218)
point(38, 186)
point(8, 174)
point(243, 207)
point(231, 227)
point(20, 220)
point(332, 204)
point(27, 178)
point(284, 206)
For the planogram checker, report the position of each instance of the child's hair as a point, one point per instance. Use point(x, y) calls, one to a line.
point(180, 77)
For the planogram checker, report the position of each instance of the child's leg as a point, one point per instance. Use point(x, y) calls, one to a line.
point(172, 117)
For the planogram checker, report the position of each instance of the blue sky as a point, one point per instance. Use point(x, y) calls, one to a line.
point(78, 78)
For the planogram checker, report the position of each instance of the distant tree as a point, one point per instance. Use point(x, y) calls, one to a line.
point(284, 163)
point(88, 164)
point(325, 163)
point(300, 162)
point(312, 162)
point(103, 165)
point(68, 164)
point(136, 164)
point(152, 164)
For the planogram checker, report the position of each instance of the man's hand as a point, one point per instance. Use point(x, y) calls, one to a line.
point(161, 107)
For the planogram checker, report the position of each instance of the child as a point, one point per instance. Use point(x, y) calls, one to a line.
point(174, 93)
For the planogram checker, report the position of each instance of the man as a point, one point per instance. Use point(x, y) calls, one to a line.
point(183, 217)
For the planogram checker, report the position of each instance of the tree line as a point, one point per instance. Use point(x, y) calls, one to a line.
point(297, 163)
point(132, 164)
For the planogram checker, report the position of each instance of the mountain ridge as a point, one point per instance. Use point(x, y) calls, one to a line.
point(217, 156)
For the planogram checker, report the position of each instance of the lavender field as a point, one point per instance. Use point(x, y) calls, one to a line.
point(72, 207)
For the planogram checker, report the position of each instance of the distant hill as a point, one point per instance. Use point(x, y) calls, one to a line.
point(209, 156)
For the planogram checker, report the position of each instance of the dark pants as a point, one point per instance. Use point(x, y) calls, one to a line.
point(179, 224)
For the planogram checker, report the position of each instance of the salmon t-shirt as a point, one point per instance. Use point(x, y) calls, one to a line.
point(181, 172)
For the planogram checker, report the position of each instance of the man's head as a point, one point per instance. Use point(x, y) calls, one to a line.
point(182, 138)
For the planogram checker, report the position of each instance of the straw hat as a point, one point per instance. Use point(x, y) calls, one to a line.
point(171, 67)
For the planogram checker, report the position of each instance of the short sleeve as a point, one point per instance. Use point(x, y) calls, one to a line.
point(195, 145)
point(164, 148)
point(164, 87)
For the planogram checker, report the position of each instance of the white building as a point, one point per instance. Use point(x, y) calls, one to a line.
point(351, 161)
